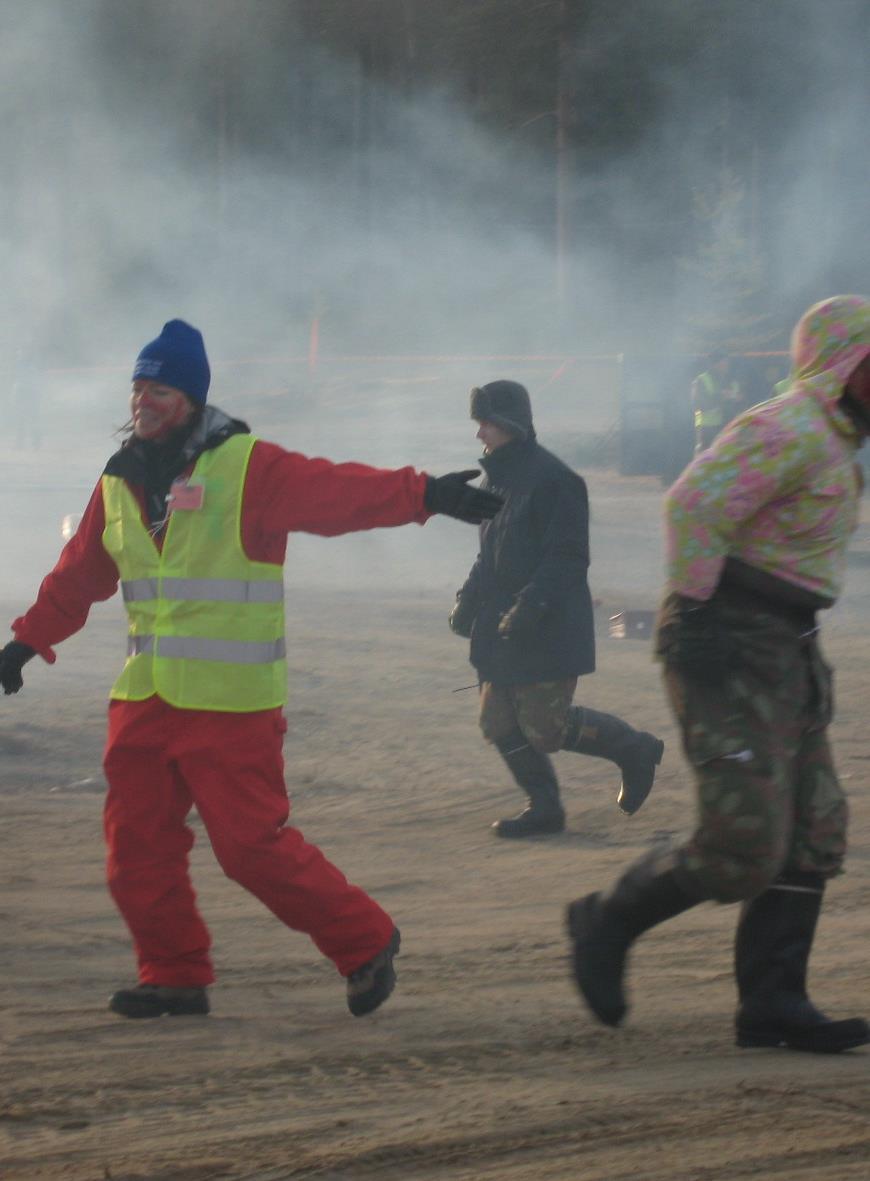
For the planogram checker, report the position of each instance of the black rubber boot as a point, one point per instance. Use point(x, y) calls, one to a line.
point(774, 939)
point(635, 752)
point(604, 926)
point(534, 773)
point(155, 1000)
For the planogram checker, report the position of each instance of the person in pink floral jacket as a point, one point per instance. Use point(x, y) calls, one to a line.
point(757, 528)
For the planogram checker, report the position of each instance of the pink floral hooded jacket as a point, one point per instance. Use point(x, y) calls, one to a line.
point(779, 488)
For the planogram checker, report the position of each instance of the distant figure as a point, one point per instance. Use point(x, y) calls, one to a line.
point(717, 397)
point(191, 517)
point(757, 530)
point(527, 609)
point(26, 400)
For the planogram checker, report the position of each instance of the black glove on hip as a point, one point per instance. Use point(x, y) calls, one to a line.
point(461, 618)
point(522, 621)
point(451, 496)
point(12, 660)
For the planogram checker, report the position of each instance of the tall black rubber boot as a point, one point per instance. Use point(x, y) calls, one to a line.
point(774, 939)
point(604, 926)
point(534, 773)
point(635, 752)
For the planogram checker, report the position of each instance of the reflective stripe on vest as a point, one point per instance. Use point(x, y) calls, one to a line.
point(193, 648)
point(206, 621)
point(214, 590)
point(709, 418)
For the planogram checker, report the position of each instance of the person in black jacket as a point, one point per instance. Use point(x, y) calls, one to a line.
point(527, 610)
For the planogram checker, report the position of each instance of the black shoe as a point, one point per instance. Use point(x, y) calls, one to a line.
point(598, 958)
point(605, 736)
point(604, 926)
point(533, 821)
point(369, 986)
point(534, 773)
point(774, 940)
point(639, 772)
point(815, 1034)
point(155, 1000)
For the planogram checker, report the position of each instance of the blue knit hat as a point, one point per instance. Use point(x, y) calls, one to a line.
point(177, 358)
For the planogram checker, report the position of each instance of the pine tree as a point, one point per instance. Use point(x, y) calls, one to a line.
point(725, 296)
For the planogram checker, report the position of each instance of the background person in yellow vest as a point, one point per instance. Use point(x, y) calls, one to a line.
point(716, 398)
point(191, 517)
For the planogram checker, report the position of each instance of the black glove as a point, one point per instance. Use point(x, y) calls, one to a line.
point(522, 621)
point(451, 496)
point(697, 643)
point(461, 618)
point(12, 660)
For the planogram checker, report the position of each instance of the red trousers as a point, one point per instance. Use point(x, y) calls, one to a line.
point(160, 762)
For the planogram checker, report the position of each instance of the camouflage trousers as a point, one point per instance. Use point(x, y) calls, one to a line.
point(540, 710)
point(768, 795)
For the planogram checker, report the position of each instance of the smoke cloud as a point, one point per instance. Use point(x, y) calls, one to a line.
point(213, 161)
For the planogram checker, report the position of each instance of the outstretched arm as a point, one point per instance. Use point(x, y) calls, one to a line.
point(291, 493)
point(84, 574)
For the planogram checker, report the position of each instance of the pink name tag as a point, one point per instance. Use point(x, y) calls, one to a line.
point(184, 496)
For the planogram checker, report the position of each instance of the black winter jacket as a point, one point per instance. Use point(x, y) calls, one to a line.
point(535, 549)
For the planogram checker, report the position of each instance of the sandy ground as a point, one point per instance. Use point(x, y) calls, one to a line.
point(484, 1063)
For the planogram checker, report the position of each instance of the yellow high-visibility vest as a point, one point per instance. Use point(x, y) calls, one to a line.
point(709, 417)
point(206, 622)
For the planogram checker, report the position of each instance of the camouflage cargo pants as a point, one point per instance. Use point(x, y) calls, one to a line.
point(540, 710)
point(768, 795)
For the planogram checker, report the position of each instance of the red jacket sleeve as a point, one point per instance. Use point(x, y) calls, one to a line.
point(84, 575)
point(286, 492)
